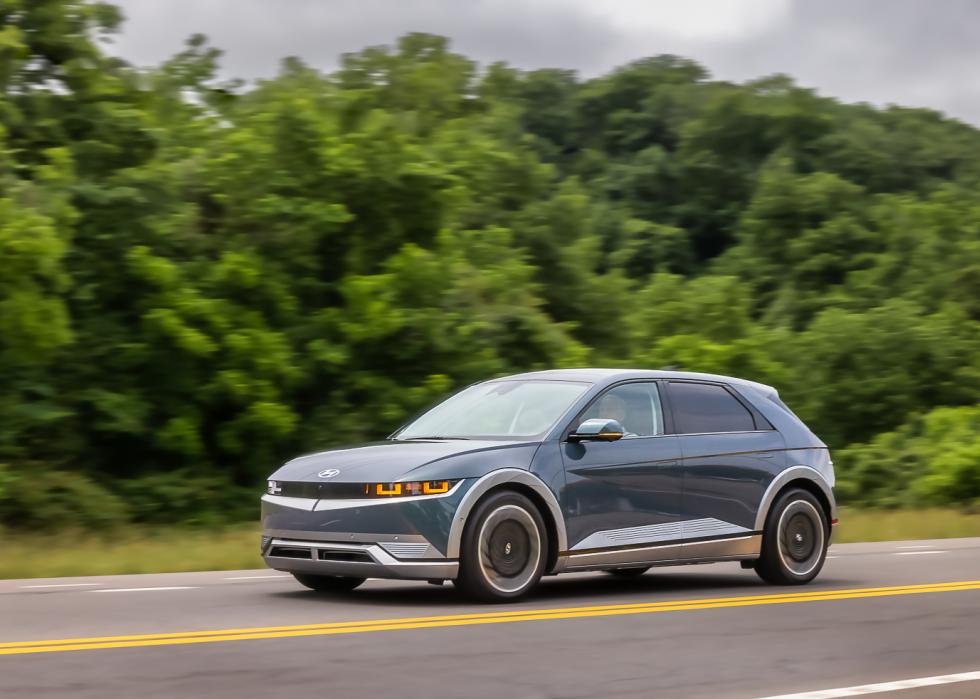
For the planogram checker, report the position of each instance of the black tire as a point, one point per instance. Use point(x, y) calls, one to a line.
point(327, 583)
point(505, 547)
point(628, 572)
point(795, 540)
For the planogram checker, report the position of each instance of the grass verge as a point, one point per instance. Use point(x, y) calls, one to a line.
point(172, 550)
point(902, 525)
point(168, 550)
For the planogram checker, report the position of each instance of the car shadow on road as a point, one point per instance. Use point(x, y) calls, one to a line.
point(584, 589)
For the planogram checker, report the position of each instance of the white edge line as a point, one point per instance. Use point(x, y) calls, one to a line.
point(883, 687)
point(38, 587)
point(917, 553)
point(916, 546)
point(146, 589)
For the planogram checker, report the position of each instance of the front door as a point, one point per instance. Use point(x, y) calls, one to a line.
point(625, 493)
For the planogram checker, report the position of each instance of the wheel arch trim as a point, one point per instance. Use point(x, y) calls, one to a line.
point(793, 473)
point(495, 479)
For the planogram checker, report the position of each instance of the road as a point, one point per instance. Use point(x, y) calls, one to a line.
point(879, 613)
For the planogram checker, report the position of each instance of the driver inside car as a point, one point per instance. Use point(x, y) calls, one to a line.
point(613, 407)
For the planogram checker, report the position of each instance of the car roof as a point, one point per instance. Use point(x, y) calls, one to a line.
point(605, 376)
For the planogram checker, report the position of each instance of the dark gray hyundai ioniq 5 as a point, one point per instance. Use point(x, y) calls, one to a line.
point(562, 471)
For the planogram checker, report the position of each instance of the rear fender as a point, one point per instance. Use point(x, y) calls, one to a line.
point(779, 482)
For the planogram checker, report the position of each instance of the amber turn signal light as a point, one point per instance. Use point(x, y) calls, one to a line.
point(394, 490)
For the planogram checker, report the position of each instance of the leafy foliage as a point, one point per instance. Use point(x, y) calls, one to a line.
point(197, 275)
point(932, 459)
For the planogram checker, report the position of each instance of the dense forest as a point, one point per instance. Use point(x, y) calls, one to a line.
point(202, 277)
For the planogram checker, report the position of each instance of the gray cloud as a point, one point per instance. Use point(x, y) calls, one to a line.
point(908, 52)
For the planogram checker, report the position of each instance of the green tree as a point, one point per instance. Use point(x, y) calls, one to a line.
point(201, 277)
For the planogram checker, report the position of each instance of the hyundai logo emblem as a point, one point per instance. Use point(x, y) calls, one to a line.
point(329, 473)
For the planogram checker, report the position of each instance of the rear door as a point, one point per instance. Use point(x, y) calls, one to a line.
point(627, 492)
point(730, 454)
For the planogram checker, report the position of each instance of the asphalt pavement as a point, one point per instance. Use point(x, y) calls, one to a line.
point(902, 617)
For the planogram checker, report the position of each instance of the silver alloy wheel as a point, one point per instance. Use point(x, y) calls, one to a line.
point(509, 548)
point(801, 537)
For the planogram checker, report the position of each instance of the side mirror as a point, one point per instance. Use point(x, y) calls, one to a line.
point(597, 430)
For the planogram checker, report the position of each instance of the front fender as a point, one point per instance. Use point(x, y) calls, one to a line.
point(492, 480)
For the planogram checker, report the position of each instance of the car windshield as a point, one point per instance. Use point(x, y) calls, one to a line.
point(497, 409)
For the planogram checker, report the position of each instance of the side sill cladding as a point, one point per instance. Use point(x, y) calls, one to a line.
point(492, 480)
point(791, 474)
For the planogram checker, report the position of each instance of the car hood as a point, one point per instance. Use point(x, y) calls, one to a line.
point(389, 461)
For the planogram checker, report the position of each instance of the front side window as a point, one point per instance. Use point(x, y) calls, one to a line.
point(497, 409)
point(700, 408)
point(636, 406)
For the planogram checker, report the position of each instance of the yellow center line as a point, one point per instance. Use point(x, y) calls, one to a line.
point(348, 627)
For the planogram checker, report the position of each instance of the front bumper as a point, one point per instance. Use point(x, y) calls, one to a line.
point(399, 538)
point(379, 559)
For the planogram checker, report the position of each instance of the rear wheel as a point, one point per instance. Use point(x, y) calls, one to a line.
point(327, 583)
point(627, 572)
point(504, 549)
point(794, 543)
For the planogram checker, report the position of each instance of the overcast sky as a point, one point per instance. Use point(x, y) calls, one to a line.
point(908, 52)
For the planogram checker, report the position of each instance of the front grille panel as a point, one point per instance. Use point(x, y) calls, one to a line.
point(345, 556)
point(310, 552)
point(324, 491)
point(291, 552)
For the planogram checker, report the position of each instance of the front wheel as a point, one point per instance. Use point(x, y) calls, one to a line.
point(327, 583)
point(794, 543)
point(504, 549)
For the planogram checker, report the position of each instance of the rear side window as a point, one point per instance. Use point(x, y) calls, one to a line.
point(699, 407)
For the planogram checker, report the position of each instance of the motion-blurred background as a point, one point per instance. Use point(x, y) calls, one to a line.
point(202, 275)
